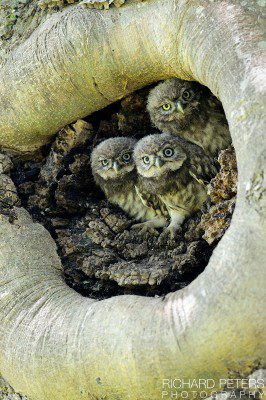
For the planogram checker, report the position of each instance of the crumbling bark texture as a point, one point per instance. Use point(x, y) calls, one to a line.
point(222, 191)
point(101, 255)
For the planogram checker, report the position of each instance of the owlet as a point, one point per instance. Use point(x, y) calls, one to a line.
point(176, 171)
point(190, 110)
point(114, 171)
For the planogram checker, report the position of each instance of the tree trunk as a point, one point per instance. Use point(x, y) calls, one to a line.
point(57, 345)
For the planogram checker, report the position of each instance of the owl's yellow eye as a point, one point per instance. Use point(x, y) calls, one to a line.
point(166, 106)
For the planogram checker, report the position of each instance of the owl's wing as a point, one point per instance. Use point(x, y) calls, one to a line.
point(152, 201)
point(197, 178)
point(203, 170)
point(144, 197)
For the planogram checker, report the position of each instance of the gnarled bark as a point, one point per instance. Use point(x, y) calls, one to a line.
point(56, 344)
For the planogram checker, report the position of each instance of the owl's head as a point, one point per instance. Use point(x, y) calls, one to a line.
point(159, 154)
point(173, 104)
point(113, 158)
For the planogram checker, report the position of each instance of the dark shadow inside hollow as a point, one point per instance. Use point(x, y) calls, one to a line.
point(101, 255)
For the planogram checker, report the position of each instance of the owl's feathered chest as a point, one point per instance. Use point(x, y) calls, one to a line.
point(188, 199)
point(177, 189)
point(136, 206)
point(124, 193)
point(168, 182)
point(110, 187)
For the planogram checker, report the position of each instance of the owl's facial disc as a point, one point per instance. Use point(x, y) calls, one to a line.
point(174, 104)
point(112, 159)
point(166, 159)
point(114, 168)
point(179, 102)
point(177, 113)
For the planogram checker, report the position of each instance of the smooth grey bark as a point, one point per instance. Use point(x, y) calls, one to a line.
point(54, 343)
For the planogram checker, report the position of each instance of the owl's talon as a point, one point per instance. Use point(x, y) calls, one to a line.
point(172, 231)
point(145, 228)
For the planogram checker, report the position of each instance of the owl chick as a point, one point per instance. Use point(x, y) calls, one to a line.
point(114, 171)
point(190, 110)
point(176, 171)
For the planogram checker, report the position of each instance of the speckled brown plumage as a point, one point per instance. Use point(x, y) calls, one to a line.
point(118, 180)
point(176, 171)
point(194, 113)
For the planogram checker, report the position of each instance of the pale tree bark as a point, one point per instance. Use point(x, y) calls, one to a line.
point(56, 344)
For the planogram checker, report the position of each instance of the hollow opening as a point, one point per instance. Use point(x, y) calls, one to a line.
point(101, 255)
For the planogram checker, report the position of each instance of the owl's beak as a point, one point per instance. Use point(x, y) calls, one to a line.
point(159, 162)
point(180, 107)
point(116, 166)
